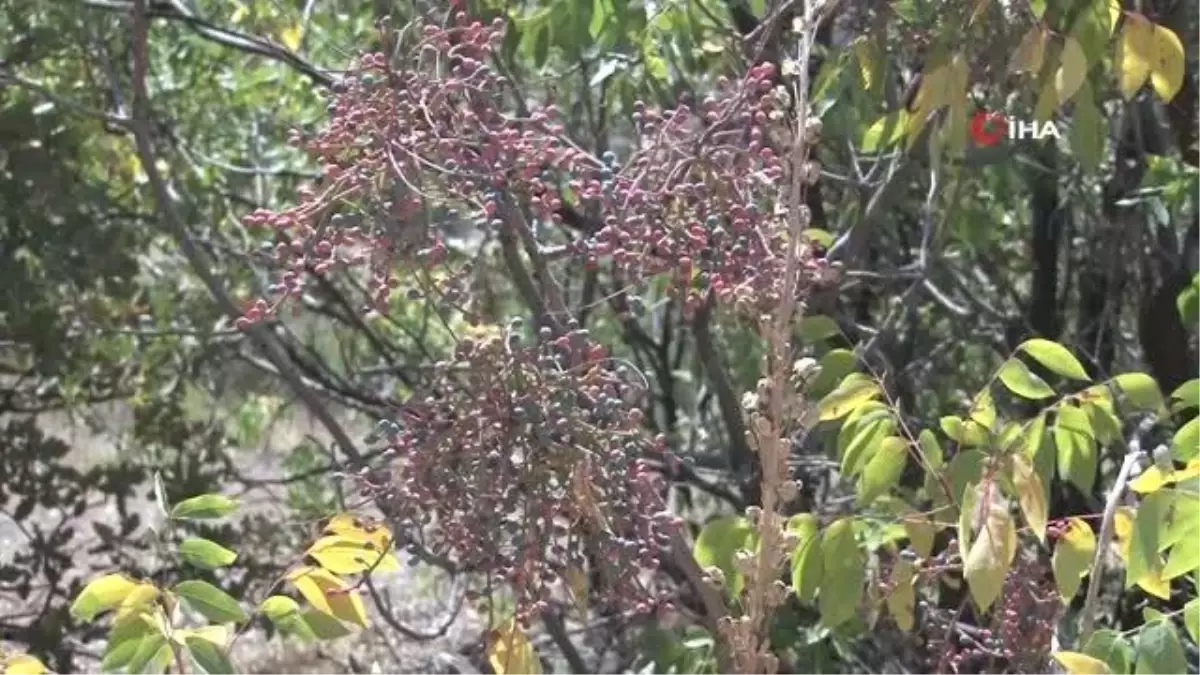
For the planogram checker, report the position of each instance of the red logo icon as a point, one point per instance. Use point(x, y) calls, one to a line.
point(987, 128)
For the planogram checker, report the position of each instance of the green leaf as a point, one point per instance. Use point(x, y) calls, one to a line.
point(1185, 445)
point(1112, 648)
point(806, 557)
point(124, 640)
point(206, 554)
point(277, 607)
point(931, 450)
point(1072, 559)
point(102, 594)
point(965, 468)
point(1017, 377)
point(843, 574)
point(853, 392)
point(204, 507)
point(1159, 650)
point(210, 601)
point(719, 541)
point(1089, 130)
point(1184, 557)
point(1078, 457)
point(1143, 546)
point(1140, 390)
point(813, 329)
point(1191, 618)
point(883, 471)
point(885, 131)
point(210, 657)
point(1055, 358)
point(1188, 304)
point(323, 626)
point(1081, 664)
point(1186, 395)
point(149, 649)
point(864, 442)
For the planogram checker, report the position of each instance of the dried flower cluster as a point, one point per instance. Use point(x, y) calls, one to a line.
point(526, 462)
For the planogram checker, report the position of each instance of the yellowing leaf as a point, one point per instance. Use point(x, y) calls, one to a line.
point(577, 585)
point(329, 594)
point(102, 594)
point(142, 595)
point(1135, 54)
point(291, 37)
point(869, 62)
point(991, 554)
point(1166, 72)
point(1031, 52)
point(509, 651)
point(24, 664)
point(1072, 558)
point(359, 528)
point(1030, 494)
point(1081, 664)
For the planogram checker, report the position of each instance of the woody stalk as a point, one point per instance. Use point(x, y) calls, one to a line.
point(777, 410)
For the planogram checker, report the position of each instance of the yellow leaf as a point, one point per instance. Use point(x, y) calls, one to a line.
point(577, 584)
point(329, 594)
point(1073, 557)
point(1081, 664)
point(1031, 52)
point(102, 594)
point(1135, 51)
point(1151, 480)
point(868, 62)
point(1153, 583)
point(1030, 494)
point(239, 14)
point(24, 664)
point(359, 528)
point(1123, 531)
point(511, 652)
point(342, 554)
point(142, 594)
point(291, 37)
point(1166, 72)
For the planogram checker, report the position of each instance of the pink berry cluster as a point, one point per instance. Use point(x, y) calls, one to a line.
point(697, 199)
point(522, 459)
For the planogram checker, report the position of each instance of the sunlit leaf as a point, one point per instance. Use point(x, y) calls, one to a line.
point(1167, 68)
point(204, 507)
point(509, 651)
point(806, 558)
point(329, 594)
point(854, 391)
point(1055, 357)
point(342, 554)
point(1081, 664)
point(1072, 559)
point(1135, 54)
point(883, 470)
point(102, 594)
point(24, 664)
point(1017, 377)
point(990, 555)
point(719, 541)
point(206, 554)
